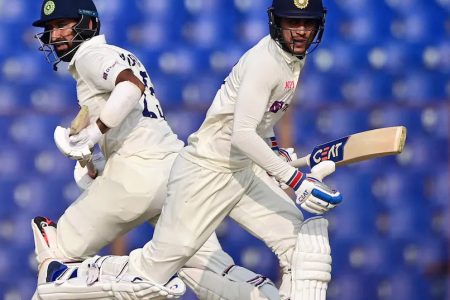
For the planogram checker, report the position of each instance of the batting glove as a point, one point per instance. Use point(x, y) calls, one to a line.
point(312, 194)
point(286, 154)
point(72, 151)
point(89, 136)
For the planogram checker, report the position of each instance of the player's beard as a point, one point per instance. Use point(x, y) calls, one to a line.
point(68, 53)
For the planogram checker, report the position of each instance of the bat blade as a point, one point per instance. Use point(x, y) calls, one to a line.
point(357, 147)
point(81, 121)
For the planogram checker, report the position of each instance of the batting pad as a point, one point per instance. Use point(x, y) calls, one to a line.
point(243, 284)
point(94, 279)
point(311, 264)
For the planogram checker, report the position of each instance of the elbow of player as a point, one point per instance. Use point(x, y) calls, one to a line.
point(141, 86)
point(239, 139)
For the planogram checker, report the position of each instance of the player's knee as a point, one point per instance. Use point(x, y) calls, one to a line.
point(73, 249)
point(285, 251)
point(73, 242)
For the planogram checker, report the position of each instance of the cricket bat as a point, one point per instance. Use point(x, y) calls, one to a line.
point(357, 147)
point(80, 122)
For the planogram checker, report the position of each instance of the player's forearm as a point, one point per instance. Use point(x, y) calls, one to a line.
point(252, 145)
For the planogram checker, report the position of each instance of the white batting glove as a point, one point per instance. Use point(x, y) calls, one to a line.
point(81, 174)
point(89, 136)
point(312, 194)
point(70, 150)
point(288, 154)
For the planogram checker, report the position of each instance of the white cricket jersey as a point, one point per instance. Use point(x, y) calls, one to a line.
point(144, 132)
point(254, 96)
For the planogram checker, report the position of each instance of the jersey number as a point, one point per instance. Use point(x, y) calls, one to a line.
point(132, 60)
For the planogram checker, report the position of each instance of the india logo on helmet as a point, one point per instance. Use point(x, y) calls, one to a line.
point(301, 3)
point(49, 7)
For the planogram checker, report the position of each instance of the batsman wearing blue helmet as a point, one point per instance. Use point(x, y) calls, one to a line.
point(224, 170)
point(139, 148)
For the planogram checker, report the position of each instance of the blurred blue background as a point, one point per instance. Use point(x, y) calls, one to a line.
point(381, 63)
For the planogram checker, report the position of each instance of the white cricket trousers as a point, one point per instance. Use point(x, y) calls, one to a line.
point(131, 191)
point(198, 199)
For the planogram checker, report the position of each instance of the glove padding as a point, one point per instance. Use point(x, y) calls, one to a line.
point(77, 146)
point(81, 174)
point(89, 136)
point(287, 154)
point(73, 151)
point(313, 195)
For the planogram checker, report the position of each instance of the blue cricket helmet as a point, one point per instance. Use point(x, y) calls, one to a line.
point(87, 26)
point(305, 9)
point(296, 9)
point(65, 9)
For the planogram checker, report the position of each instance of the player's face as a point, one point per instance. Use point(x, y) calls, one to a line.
point(298, 34)
point(61, 34)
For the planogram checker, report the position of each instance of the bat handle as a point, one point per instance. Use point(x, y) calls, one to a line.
point(320, 171)
point(301, 162)
point(323, 169)
point(92, 171)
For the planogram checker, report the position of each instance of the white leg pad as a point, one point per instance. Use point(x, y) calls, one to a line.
point(237, 283)
point(311, 264)
point(104, 278)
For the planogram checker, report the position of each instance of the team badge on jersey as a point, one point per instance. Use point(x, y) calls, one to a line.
point(49, 7)
point(302, 4)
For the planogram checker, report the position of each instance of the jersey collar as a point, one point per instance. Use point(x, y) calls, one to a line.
point(96, 40)
point(287, 56)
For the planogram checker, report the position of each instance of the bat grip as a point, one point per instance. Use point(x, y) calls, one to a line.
point(301, 162)
point(92, 171)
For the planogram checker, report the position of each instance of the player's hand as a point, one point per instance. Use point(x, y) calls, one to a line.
point(313, 195)
point(89, 136)
point(287, 154)
point(82, 177)
point(77, 151)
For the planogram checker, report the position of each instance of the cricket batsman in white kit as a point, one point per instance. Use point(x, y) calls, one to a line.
point(223, 169)
point(139, 147)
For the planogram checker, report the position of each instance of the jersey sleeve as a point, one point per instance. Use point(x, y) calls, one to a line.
point(258, 80)
point(100, 68)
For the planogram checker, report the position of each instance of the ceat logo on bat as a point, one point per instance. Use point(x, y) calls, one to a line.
point(330, 151)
